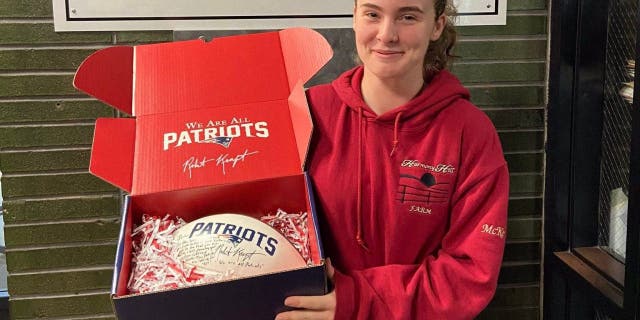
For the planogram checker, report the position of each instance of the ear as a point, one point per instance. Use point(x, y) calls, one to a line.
point(441, 22)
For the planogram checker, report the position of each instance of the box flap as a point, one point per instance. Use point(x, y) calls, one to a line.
point(215, 146)
point(303, 61)
point(107, 75)
point(128, 78)
point(112, 152)
point(301, 120)
point(196, 74)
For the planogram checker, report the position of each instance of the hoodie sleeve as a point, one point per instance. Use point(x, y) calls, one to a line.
point(459, 280)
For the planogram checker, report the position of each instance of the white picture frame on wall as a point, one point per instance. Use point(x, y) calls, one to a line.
point(125, 15)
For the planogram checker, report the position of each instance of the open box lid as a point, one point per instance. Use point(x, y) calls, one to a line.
point(225, 111)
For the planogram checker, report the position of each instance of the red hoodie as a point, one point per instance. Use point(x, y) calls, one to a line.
point(413, 202)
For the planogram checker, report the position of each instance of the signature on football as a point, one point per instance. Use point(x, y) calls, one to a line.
point(194, 163)
point(224, 159)
point(242, 256)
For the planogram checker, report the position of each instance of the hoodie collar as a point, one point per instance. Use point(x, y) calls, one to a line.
point(436, 95)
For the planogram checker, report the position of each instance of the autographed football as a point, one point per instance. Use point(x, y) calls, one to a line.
point(235, 245)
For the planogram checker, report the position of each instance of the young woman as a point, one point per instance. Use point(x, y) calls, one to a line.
point(411, 182)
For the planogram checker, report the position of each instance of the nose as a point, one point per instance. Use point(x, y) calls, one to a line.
point(387, 33)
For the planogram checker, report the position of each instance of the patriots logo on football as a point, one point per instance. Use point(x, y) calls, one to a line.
point(235, 240)
point(223, 141)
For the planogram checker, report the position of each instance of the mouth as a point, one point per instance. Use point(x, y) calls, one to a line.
point(387, 53)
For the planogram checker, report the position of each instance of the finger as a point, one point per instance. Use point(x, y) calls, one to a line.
point(330, 270)
point(317, 303)
point(304, 315)
point(308, 302)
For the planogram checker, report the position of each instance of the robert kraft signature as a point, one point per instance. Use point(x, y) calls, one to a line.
point(225, 159)
point(193, 163)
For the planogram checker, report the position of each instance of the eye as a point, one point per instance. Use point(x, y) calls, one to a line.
point(371, 14)
point(408, 18)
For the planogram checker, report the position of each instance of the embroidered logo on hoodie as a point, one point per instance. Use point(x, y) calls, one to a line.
point(494, 230)
point(440, 168)
point(423, 189)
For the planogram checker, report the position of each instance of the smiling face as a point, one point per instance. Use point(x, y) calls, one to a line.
point(392, 36)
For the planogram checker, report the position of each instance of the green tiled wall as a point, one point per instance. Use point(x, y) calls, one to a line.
point(62, 223)
point(505, 69)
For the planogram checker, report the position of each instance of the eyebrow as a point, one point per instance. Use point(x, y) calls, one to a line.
point(401, 10)
point(410, 9)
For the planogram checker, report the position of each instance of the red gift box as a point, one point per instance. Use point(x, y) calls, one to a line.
point(218, 127)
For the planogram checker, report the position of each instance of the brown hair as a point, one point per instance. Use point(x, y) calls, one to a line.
point(440, 55)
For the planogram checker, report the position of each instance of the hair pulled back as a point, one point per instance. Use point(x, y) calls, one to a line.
point(440, 52)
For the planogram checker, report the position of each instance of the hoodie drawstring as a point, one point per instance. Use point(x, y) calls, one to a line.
point(359, 238)
point(395, 134)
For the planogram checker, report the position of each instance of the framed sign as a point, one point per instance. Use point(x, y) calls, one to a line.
point(481, 12)
point(119, 15)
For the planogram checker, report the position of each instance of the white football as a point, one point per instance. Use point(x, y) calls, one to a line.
point(235, 244)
